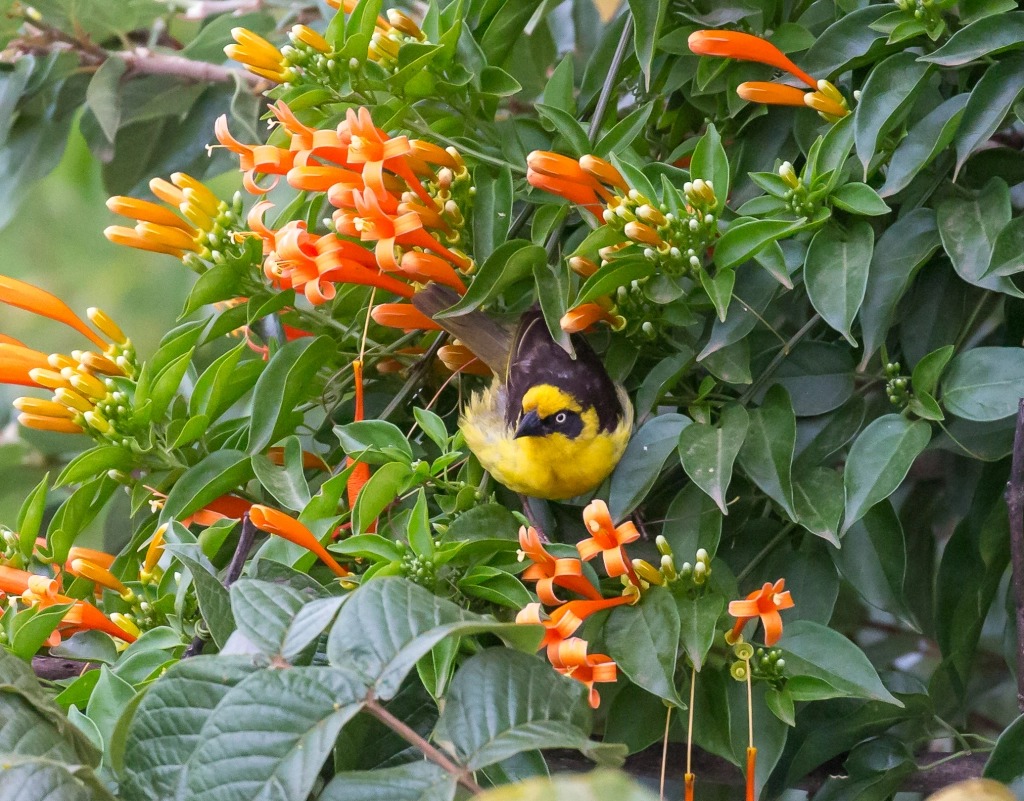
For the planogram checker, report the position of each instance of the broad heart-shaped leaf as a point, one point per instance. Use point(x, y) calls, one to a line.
point(822, 663)
point(217, 474)
point(889, 91)
point(164, 733)
point(697, 620)
point(984, 383)
point(264, 612)
point(836, 272)
point(878, 462)
point(644, 640)
point(983, 37)
point(529, 705)
point(39, 779)
point(389, 623)
point(900, 251)
point(601, 785)
point(280, 386)
point(924, 141)
point(708, 453)
point(819, 502)
point(873, 558)
point(969, 228)
point(991, 100)
point(767, 453)
point(413, 781)
point(642, 462)
point(270, 735)
point(1006, 762)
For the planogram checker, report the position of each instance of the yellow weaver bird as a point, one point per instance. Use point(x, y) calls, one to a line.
point(550, 425)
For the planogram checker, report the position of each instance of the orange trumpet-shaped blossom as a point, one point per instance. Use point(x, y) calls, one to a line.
point(460, 359)
point(550, 572)
point(765, 603)
point(17, 362)
point(38, 301)
point(254, 159)
point(404, 316)
point(745, 47)
point(276, 522)
point(587, 315)
point(781, 95)
point(361, 472)
point(562, 623)
point(570, 658)
point(608, 540)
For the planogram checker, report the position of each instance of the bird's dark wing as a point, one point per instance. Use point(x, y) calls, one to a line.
point(488, 339)
point(537, 359)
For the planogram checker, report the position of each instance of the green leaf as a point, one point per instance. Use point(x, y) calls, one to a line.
point(850, 41)
point(283, 383)
point(888, 93)
point(492, 209)
point(644, 639)
point(879, 461)
point(287, 484)
point(928, 370)
point(483, 522)
point(30, 516)
point(745, 238)
point(642, 462)
point(38, 779)
point(103, 96)
point(984, 37)
point(991, 100)
point(969, 228)
point(781, 705)
point(835, 667)
point(708, 453)
point(1006, 253)
point(836, 273)
point(819, 502)
point(399, 622)
point(621, 136)
point(710, 163)
point(539, 709)
point(166, 384)
point(214, 601)
point(984, 383)
point(1006, 762)
point(384, 486)
point(552, 283)
point(819, 377)
point(858, 198)
point(432, 425)
point(558, 91)
point(767, 453)
point(217, 474)
point(264, 612)
point(613, 275)
point(496, 586)
point(271, 733)
point(224, 382)
point(719, 289)
point(374, 441)
point(30, 628)
point(566, 125)
point(413, 781)
point(648, 18)
point(873, 559)
point(510, 262)
point(899, 253)
point(698, 618)
point(924, 141)
point(757, 288)
point(165, 731)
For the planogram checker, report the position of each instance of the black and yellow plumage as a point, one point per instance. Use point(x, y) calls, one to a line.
point(550, 425)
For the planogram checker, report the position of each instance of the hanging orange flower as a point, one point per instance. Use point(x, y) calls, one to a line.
point(550, 572)
point(402, 315)
point(276, 522)
point(745, 47)
point(587, 315)
point(563, 176)
point(16, 361)
point(608, 540)
point(460, 359)
point(765, 603)
point(562, 623)
point(38, 301)
point(254, 159)
point(570, 658)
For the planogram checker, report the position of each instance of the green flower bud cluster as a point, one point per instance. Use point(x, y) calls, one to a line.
point(897, 387)
point(220, 242)
point(419, 569)
point(798, 195)
point(696, 573)
point(768, 665)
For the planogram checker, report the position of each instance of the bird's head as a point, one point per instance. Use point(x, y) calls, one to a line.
point(548, 409)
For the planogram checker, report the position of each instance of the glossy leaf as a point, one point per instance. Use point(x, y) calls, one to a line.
point(644, 639)
point(707, 453)
point(767, 453)
point(990, 101)
point(836, 273)
point(642, 462)
point(924, 141)
point(984, 383)
point(413, 781)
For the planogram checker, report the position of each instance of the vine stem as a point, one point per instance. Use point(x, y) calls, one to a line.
point(664, 753)
point(609, 82)
point(782, 354)
point(1015, 507)
point(411, 736)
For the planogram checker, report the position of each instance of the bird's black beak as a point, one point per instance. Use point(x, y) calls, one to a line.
point(529, 426)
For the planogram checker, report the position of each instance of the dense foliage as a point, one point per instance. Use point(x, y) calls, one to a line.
point(305, 586)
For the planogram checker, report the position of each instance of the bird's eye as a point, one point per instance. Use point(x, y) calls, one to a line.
point(560, 418)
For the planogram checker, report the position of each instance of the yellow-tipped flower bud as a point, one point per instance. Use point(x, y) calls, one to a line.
point(583, 267)
point(43, 423)
point(102, 321)
point(788, 174)
point(47, 378)
point(662, 544)
point(651, 215)
point(72, 400)
point(155, 549)
point(99, 575)
point(401, 22)
point(98, 422)
point(99, 364)
point(58, 361)
point(639, 232)
point(647, 572)
point(43, 408)
point(310, 38)
point(668, 567)
point(126, 623)
point(88, 385)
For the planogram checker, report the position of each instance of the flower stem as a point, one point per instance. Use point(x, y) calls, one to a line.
point(609, 81)
point(411, 736)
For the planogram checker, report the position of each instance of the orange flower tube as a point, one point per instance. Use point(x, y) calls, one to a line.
point(16, 362)
point(583, 317)
point(772, 94)
point(404, 316)
point(38, 301)
point(275, 522)
point(745, 47)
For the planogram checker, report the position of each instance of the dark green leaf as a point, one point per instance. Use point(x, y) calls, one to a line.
point(214, 601)
point(991, 100)
point(264, 612)
point(836, 273)
point(928, 370)
point(818, 376)
point(819, 502)
point(648, 16)
point(512, 261)
point(923, 142)
point(1006, 762)
point(707, 453)
point(102, 95)
point(985, 37)
point(710, 163)
point(847, 42)
point(858, 198)
point(413, 781)
point(644, 639)
point(642, 462)
point(698, 618)
point(984, 383)
point(745, 238)
point(217, 474)
point(767, 453)
point(374, 441)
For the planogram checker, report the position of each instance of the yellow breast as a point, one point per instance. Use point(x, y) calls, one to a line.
point(553, 466)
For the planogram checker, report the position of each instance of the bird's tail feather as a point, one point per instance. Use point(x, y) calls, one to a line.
point(488, 339)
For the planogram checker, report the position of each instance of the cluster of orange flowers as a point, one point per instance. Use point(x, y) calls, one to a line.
point(824, 97)
point(84, 395)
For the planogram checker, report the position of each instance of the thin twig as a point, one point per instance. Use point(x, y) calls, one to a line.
point(1015, 506)
point(416, 374)
point(609, 82)
point(787, 347)
point(143, 61)
point(411, 736)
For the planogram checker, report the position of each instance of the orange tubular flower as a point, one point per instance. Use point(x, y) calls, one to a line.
point(423, 267)
point(275, 522)
point(765, 603)
point(84, 568)
point(376, 151)
point(570, 658)
point(16, 362)
point(84, 615)
point(38, 301)
point(100, 558)
point(361, 472)
point(604, 172)
point(608, 540)
point(772, 94)
point(550, 572)
point(253, 159)
point(745, 47)
point(257, 55)
point(404, 316)
point(563, 622)
point(588, 314)
point(562, 176)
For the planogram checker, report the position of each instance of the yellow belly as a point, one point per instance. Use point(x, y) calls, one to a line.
point(553, 467)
